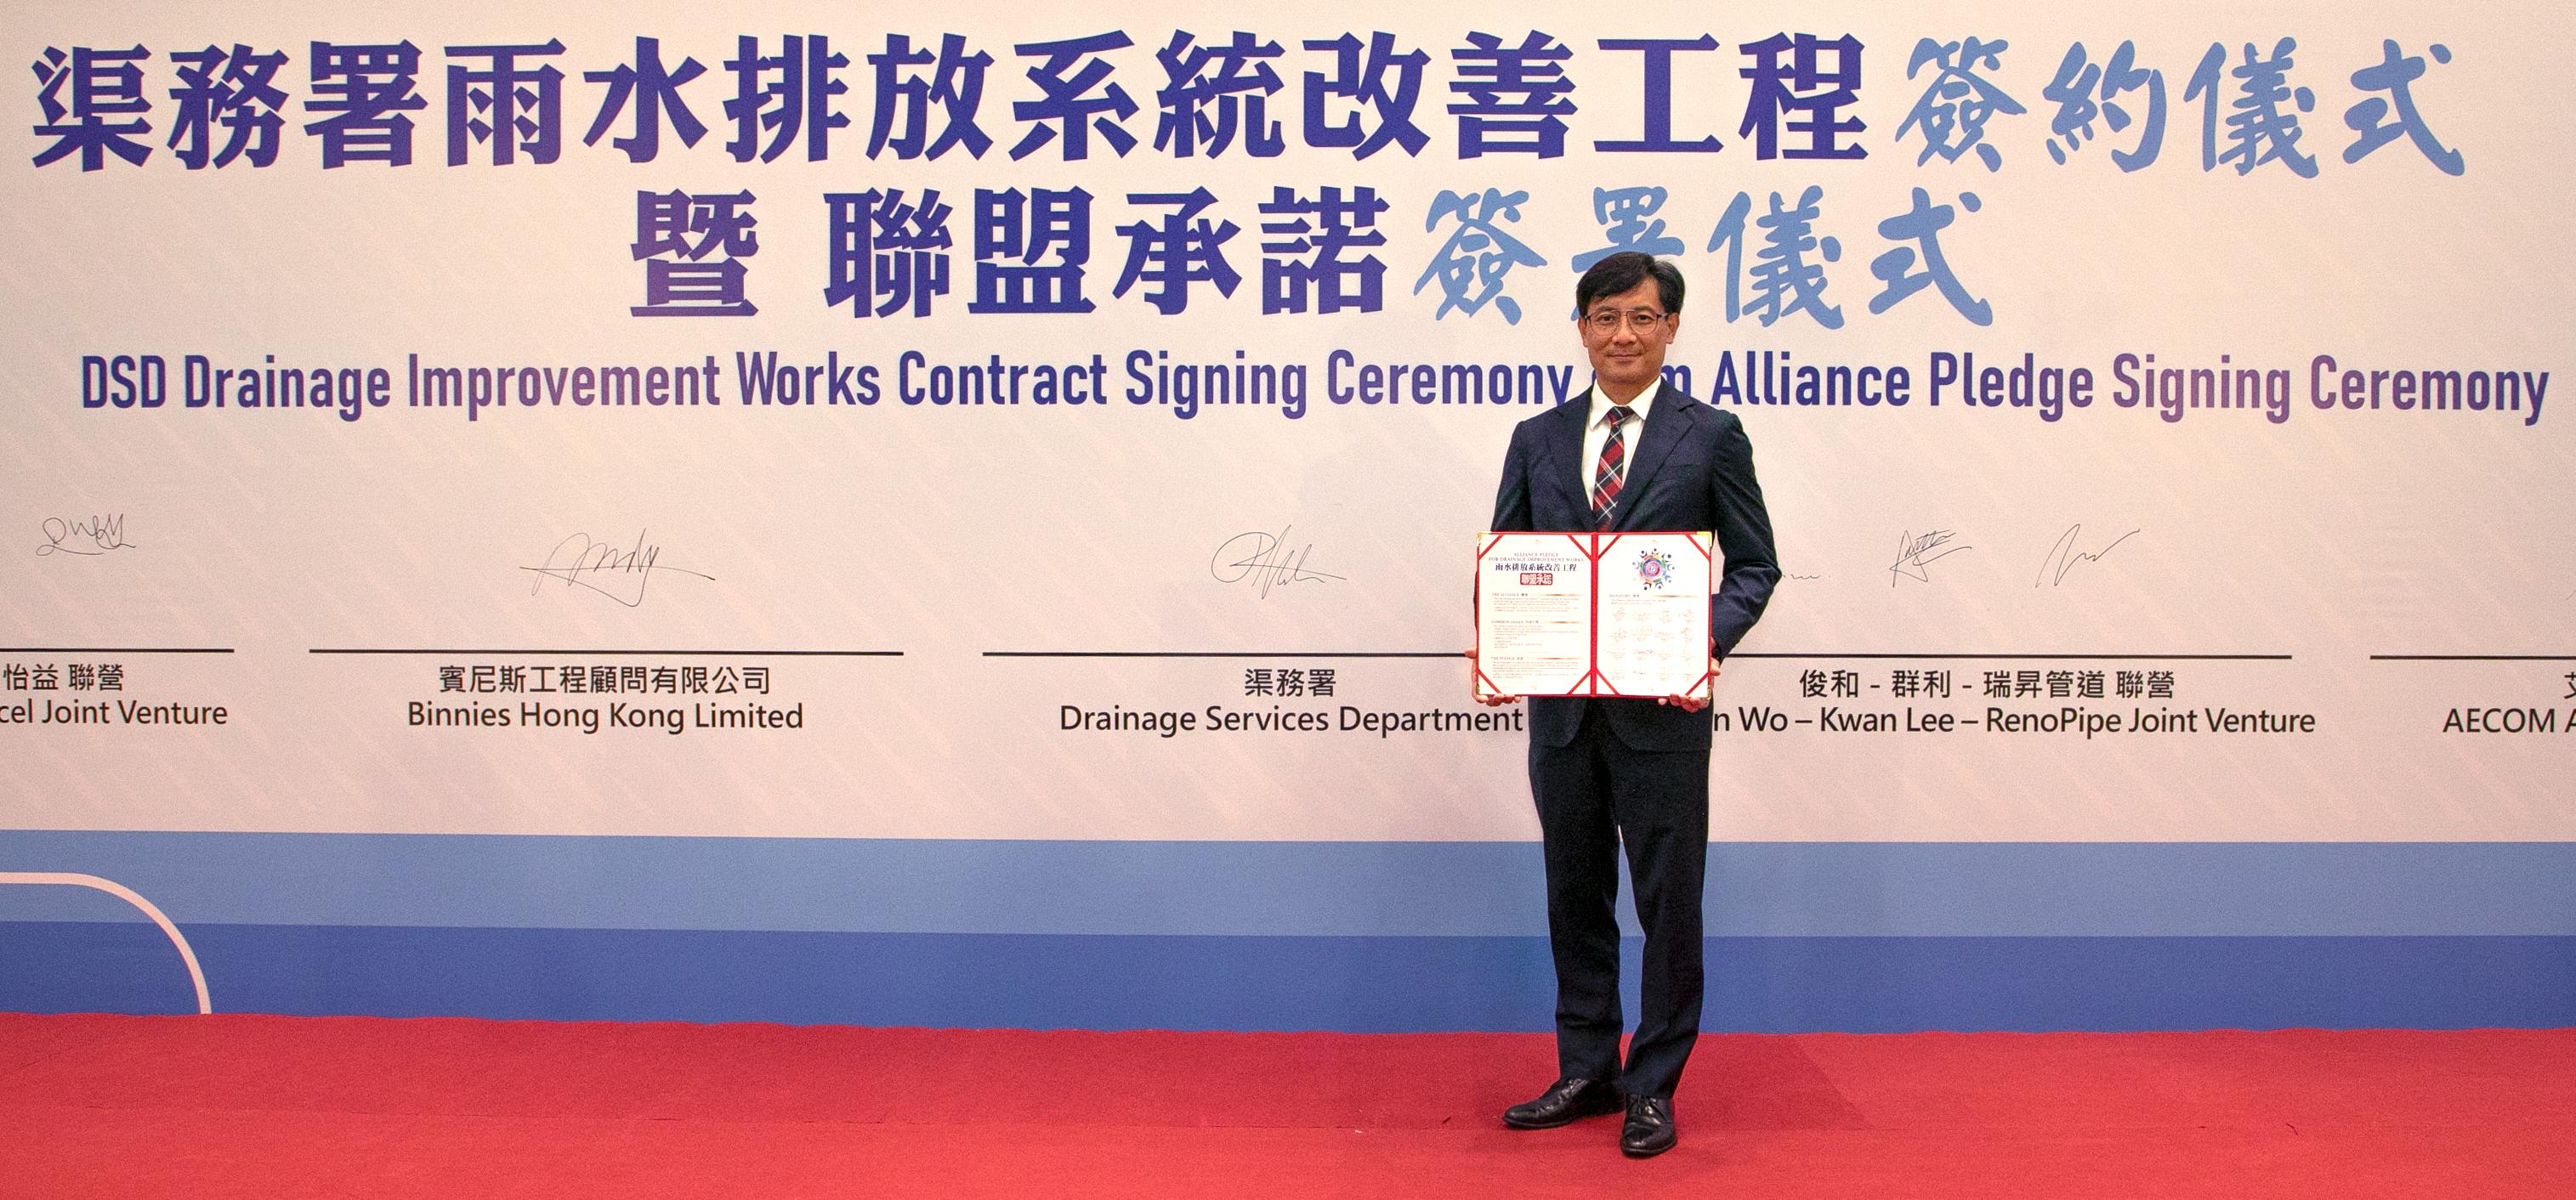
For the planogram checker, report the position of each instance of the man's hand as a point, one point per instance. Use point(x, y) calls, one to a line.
point(1476, 686)
point(1696, 701)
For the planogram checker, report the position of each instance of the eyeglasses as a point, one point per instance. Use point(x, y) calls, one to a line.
point(1607, 322)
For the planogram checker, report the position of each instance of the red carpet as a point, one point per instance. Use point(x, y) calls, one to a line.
point(275, 1107)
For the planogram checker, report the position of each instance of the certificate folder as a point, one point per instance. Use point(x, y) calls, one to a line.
point(1593, 614)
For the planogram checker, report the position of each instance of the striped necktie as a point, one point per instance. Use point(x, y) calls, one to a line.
point(1613, 468)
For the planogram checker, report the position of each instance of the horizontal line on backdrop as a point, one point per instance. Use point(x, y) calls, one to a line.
point(1223, 654)
point(2473, 658)
point(671, 653)
point(116, 649)
point(2016, 655)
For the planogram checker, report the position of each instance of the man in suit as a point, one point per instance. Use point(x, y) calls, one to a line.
point(1632, 454)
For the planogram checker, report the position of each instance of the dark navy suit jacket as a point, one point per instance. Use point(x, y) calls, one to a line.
point(1690, 468)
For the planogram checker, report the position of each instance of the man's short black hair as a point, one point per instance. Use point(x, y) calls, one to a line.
point(1625, 270)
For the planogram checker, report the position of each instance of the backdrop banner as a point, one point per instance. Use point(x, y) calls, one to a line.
point(861, 512)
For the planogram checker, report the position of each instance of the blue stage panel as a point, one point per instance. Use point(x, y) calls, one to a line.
point(1358, 984)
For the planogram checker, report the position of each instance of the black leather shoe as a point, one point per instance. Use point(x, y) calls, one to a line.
point(1564, 1102)
point(1649, 1130)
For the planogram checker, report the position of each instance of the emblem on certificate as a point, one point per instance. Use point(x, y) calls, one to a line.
point(1593, 614)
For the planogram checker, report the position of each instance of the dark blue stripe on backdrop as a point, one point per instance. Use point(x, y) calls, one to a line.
point(1306, 889)
point(1359, 984)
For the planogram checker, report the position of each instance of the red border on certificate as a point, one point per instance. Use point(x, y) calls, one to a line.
point(1595, 548)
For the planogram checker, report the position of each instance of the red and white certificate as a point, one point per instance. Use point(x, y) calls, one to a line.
point(1593, 614)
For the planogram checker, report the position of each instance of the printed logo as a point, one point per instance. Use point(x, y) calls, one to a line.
point(1654, 569)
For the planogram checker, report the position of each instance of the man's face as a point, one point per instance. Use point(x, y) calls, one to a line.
point(1626, 336)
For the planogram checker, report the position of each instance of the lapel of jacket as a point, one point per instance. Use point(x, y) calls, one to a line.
point(1566, 471)
point(1666, 422)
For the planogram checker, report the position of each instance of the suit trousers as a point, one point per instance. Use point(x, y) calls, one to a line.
point(1594, 794)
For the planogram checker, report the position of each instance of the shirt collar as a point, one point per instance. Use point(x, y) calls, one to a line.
point(1601, 405)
